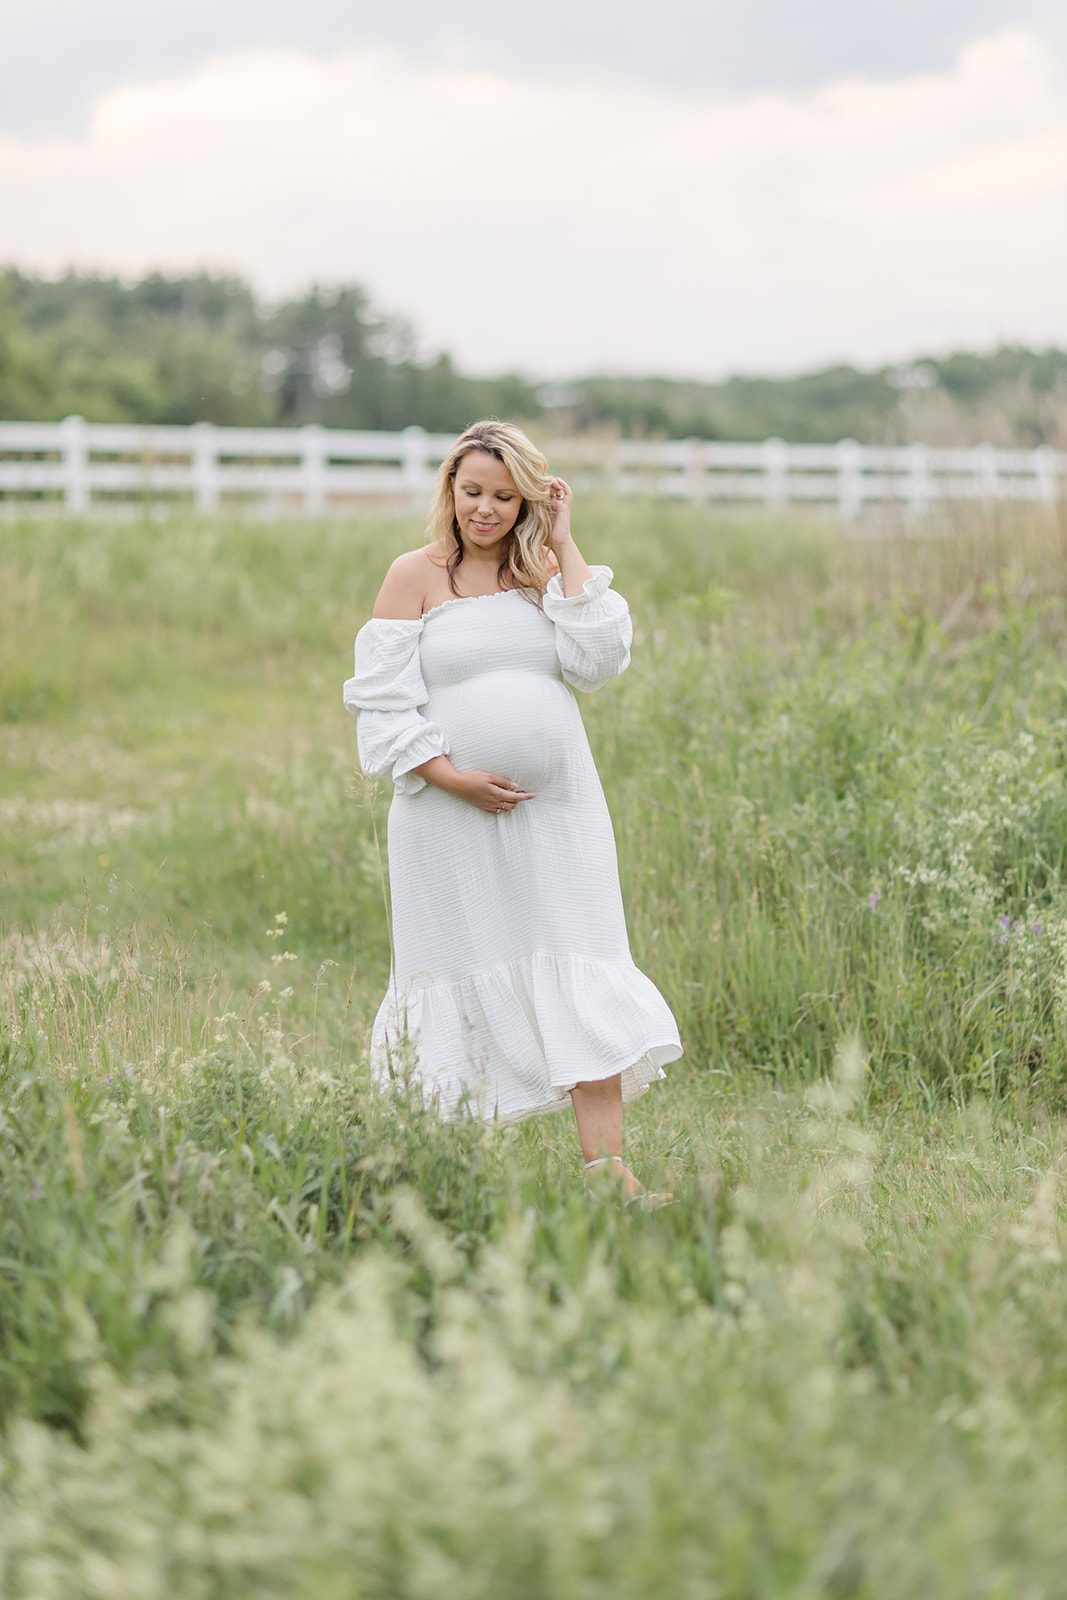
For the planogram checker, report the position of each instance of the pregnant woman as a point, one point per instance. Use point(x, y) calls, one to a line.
point(512, 979)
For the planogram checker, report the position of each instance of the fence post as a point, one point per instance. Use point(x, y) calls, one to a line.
point(695, 478)
point(917, 485)
point(1045, 473)
point(313, 463)
point(415, 459)
point(985, 471)
point(76, 490)
point(775, 473)
point(849, 477)
point(611, 465)
point(205, 467)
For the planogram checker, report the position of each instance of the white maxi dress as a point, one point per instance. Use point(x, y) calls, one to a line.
point(512, 975)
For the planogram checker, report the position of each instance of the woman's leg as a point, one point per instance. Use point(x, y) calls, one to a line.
point(598, 1113)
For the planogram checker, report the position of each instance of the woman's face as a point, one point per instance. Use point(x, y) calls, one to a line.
point(486, 500)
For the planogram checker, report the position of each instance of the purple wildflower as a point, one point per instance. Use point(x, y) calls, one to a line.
point(873, 899)
point(1005, 922)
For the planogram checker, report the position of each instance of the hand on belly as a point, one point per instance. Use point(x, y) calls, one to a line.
point(489, 791)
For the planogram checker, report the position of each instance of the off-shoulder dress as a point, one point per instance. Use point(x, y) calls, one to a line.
point(512, 975)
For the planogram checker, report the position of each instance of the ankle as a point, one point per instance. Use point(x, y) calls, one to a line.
point(613, 1170)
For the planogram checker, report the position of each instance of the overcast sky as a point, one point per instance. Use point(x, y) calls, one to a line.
point(681, 188)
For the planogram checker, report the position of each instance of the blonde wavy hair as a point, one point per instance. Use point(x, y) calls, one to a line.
point(526, 556)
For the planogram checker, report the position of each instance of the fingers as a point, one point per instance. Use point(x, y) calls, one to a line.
point(505, 796)
point(496, 795)
point(511, 791)
point(488, 791)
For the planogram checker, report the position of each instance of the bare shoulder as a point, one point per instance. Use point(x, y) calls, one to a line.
point(403, 593)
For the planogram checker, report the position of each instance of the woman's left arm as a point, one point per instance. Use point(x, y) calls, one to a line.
point(592, 622)
point(573, 567)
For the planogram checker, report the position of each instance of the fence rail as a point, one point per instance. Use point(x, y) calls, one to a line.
point(79, 467)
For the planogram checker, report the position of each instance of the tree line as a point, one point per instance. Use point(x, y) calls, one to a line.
point(204, 347)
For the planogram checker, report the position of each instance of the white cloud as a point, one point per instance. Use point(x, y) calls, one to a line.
point(565, 227)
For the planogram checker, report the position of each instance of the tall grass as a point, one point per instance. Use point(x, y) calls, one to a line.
point(265, 1331)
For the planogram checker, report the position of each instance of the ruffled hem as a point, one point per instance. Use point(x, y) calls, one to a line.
point(430, 742)
point(594, 588)
point(511, 1042)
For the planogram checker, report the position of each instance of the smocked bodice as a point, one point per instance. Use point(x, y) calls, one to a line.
point(483, 635)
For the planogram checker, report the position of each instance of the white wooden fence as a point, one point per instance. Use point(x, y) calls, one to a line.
point(78, 467)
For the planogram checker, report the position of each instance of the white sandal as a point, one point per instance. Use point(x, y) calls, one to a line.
point(642, 1200)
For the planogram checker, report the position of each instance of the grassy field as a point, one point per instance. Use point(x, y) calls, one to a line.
point(266, 1333)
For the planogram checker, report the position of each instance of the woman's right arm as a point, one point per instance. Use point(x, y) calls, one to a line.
point(485, 790)
point(387, 689)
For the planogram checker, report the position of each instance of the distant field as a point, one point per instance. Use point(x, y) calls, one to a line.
point(263, 1333)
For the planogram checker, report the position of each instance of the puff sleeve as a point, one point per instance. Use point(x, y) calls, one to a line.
point(386, 694)
point(593, 630)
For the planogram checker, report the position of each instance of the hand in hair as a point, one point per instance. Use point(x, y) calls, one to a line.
point(574, 571)
point(561, 496)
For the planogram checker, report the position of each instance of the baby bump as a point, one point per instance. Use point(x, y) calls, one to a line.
point(522, 726)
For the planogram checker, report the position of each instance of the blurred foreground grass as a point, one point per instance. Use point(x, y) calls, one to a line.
point(262, 1333)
